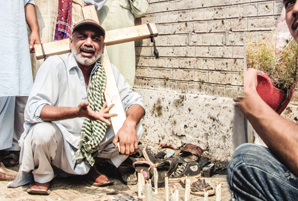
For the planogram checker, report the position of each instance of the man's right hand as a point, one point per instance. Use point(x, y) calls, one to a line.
point(250, 90)
point(102, 115)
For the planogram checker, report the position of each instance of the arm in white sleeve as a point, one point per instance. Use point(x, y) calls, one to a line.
point(97, 3)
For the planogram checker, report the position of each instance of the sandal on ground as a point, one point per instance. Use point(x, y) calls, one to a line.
point(166, 167)
point(190, 152)
point(143, 167)
point(127, 172)
point(7, 174)
point(11, 159)
point(39, 188)
point(190, 169)
point(199, 187)
point(95, 178)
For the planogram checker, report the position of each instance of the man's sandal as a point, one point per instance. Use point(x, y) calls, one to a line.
point(95, 178)
point(100, 181)
point(199, 187)
point(39, 188)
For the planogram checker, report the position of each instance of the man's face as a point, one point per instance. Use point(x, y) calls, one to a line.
point(291, 7)
point(86, 46)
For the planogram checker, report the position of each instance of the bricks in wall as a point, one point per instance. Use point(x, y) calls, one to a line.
point(201, 42)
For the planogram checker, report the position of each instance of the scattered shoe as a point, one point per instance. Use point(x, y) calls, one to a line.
point(198, 187)
point(127, 172)
point(143, 167)
point(190, 152)
point(153, 156)
point(166, 167)
point(190, 169)
point(6, 174)
point(39, 188)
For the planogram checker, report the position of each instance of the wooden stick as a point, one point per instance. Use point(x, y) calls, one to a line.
point(112, 37)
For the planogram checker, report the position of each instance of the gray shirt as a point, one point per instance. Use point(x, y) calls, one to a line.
point(60, 82)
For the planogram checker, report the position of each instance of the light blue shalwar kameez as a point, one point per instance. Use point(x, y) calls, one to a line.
point(15, 68)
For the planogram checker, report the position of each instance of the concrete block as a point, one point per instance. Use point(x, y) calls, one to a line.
point(234, 38)
point(184, 74)
point(161, 73)
point(218, 25)
point(173, 62)
point(182, 27)
point(220, 77)
point(225, 52)
point(238, 52)
point(184, 51)
point(239, 24)
point(237, 78)
point(232, 11)
point(191, 63)
point(200, 26)
point(261, 23)
point(196, 14)
point(236, 64)
point(201, 76)
point(208, 13)
point(221, 64)
point(195, 39)
point(265, 8)
point(249, 9)
point(208, 64)
point(202, 51)
point(213, 39)
point(177, 40)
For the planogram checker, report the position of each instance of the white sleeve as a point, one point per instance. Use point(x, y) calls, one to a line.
point(29, 1)
point(97, 3)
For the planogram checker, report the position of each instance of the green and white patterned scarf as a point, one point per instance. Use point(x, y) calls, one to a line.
point(93, 131)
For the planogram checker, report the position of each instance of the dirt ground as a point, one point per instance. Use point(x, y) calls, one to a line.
point(77, 189)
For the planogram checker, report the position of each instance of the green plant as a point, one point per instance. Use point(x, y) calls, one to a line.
point(280, 66)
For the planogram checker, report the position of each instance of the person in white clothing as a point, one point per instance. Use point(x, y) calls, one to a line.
point(58, 106)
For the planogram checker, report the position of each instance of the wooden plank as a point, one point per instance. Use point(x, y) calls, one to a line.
point(89, 12)
point(112, 94)
point(112, 37)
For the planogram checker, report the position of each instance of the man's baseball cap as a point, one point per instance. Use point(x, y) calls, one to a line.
point(89, 23)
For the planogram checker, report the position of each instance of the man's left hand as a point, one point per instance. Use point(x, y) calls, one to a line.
point(127, 138)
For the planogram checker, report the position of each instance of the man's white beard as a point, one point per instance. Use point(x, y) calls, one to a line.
point(84, 61)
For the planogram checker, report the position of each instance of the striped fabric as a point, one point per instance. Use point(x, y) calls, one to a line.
point(93, 131)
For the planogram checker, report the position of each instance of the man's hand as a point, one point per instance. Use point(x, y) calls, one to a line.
point(34, 39)
point(102, 115)
point(127, 137)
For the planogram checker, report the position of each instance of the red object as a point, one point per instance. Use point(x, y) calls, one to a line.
point(274, 97)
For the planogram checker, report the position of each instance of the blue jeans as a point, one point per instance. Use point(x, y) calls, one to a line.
point(255, 174)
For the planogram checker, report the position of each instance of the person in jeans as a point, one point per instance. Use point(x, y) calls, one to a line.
point(257, 172)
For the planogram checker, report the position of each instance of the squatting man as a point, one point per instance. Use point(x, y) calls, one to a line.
point(257, 172)
point(59, 111)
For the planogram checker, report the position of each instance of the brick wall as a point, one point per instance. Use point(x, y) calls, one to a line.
point(186, 91)
point(201, 44)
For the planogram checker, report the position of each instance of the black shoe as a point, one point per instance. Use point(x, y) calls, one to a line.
point(190, 169)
